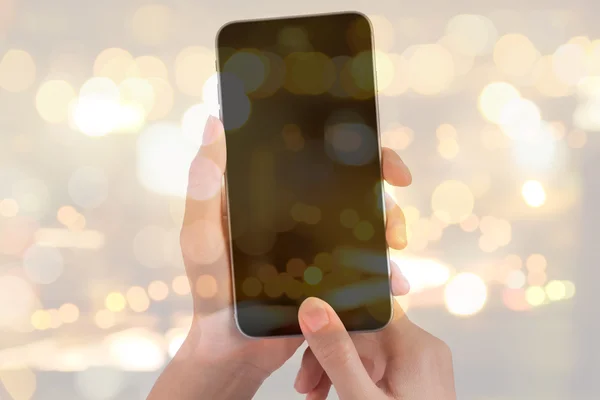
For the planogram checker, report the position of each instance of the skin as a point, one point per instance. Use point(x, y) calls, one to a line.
point(216, 361)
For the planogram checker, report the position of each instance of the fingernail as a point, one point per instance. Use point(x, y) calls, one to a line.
point(314, 315)
point(211, 131)
point(297, 381)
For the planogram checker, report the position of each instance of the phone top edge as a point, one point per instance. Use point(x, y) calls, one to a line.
point(297, 16)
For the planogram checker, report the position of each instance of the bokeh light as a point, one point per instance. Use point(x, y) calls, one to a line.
point(17, 71)
point(520, 119)
point(53, 100)
point(534, 194)
point(21, 384)
point(115, 302)
point(494, 98)
point(193, 66)
point(452, 201)
point(105, 319)
point(535, 295)
point(68, 313)
point(9, 208)
point(114, 63)
point(431, 69)
point(465, 294)
point(137, 299)
point(158, 290)
point(515, 55)
point(569, 63)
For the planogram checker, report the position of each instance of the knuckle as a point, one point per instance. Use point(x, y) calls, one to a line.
point(334, 352)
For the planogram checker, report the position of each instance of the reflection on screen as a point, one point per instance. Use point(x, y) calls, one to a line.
point(303, 174)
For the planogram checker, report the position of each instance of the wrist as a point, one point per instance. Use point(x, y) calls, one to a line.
point(194, 373)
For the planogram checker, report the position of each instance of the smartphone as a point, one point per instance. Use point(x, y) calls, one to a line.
point(304, 176)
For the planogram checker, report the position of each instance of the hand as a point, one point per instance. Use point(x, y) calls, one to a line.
point(216, 360)
point(400, 362)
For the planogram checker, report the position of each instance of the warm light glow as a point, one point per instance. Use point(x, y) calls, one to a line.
point(175, 343)
point(521, 119)
point(148, 67)
point(569, 289)
point(193, 66)
point(53, 100)
point(465, 295)
point(41, 320)
point(452, 201)
point(516, 279)
point(158, 290)
point(422, 273)
point(535, 295)
point(431, 69)
point(193, 123)
point(164, 97)
point(17, 71)
point(448, 149)
point(181, 285)
point(136, 350)
point(137, 299)
point(164, 156)
point(570, 63)
point(115, 64)
point(115, 302)
point(494, 98)
point(536, 263)
point(9, 208)
point(546, 81)
point(105, 319)
point(17, 301)
point(534, 194)
point(397, 80)
point(68, 313)
point(515, 55)
point(138, 93)
point(18, 384)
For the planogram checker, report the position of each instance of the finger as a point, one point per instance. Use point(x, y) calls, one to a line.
point(321, 391)
point(203, 237)
point(395, 230)
point(395, 172)
point(400, 285)
point(333, 348)
point(398, 332)
point(310, 373)
point(370, 353)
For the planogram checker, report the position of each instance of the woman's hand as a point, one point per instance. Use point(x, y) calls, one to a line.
point(216, 361)
point(400, 362)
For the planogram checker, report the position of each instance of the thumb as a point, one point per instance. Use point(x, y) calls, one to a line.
point(335, 351)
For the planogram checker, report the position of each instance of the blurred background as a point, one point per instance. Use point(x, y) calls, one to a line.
point(494, 105)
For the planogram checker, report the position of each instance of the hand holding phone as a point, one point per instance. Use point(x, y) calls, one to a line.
point(216, 360)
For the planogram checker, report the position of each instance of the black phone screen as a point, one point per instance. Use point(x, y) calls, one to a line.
point(304, 180)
